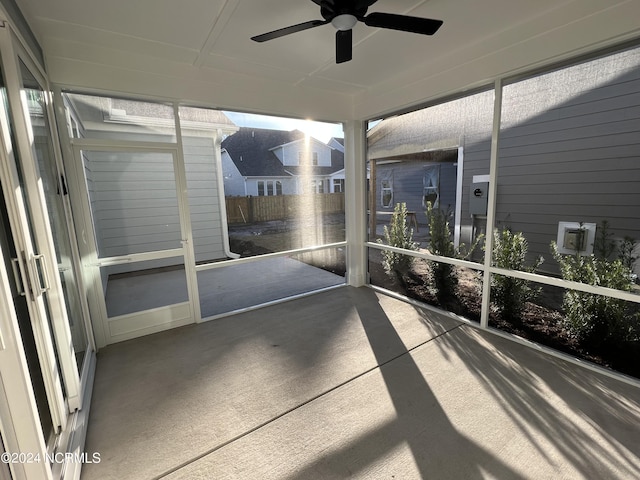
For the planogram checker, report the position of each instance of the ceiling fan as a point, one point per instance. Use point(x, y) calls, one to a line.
point(344, 14)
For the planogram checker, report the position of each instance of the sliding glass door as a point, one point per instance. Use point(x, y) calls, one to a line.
point(38, 251)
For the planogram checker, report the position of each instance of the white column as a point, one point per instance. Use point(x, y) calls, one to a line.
point(355, 201)
point(491, 205)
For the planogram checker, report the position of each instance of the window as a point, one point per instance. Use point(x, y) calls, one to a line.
point(387, 193)
point(431, 186)
point(338, 185)
point(303, 157)
point(269, 187)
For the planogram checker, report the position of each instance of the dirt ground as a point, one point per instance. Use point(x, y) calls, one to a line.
point(541, 321)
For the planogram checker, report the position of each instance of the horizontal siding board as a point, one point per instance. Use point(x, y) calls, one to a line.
point(204, 212)
point(589, 119)
point(572, 134)
point(170, 229)
point(203, 188)
point(128, 222)
point(593, 190)
point(560, 200)
point(126, 168)
point(613, 168)
point(161, 213)
point(126, 185)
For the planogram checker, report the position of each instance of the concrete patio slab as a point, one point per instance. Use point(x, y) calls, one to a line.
point(353, 384)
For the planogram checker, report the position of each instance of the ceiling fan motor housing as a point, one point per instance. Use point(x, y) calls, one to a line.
point(331, 9)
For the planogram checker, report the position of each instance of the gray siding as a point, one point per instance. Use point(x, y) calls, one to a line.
point(577, 160)
point(465, 122)
point(204, 198)
point(136, 208)
point(408, 186)
point(569, 149)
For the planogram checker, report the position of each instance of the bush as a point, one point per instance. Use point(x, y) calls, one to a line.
point(592, 318)
point(626, 254)
point(443, 275)
point(510, 294)
point(399, 235)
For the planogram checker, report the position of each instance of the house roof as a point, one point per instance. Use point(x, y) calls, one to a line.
point(252, 151)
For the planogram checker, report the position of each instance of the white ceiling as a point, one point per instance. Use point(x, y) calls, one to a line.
point(200, 50)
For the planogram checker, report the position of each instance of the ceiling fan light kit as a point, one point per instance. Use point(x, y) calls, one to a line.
point(344, 22)
point(344, 14)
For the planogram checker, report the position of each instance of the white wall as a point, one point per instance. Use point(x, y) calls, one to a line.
point(289, 154)
point(233, 181)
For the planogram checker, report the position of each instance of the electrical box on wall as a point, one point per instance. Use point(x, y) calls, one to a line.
point(575, 237)
point(479, 198)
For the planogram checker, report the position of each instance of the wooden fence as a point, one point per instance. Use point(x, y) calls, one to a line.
point(281, 207)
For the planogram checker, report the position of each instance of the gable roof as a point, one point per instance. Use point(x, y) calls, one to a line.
point(251, 150)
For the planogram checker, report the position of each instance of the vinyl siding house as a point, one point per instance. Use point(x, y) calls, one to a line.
point(574, 156)
point(261, 162)
point(414, 181)
point(130, 222)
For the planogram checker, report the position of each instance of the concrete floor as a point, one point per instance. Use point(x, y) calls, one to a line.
point(349, 383)
point(221, 290)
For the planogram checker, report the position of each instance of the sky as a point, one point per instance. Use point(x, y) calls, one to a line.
point(319, 130)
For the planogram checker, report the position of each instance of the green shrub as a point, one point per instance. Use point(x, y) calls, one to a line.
point(443, 275)
point(592, 318)
point(510, 294)
point(626, 252)
point(604, 245)
point(399, 235)
point(444, 279)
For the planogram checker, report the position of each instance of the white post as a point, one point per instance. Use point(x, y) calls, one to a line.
point(491, 206)
point(355, 202)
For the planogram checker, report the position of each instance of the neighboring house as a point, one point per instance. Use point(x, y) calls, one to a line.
point(128, 221)
point(261, 162)
point(416, 180)
point(569, 152)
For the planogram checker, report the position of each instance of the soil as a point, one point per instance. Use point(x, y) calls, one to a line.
point(541, 322)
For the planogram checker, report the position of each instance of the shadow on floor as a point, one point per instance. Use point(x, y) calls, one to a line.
point(435, 443)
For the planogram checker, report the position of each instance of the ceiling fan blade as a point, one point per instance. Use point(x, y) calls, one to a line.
point(405, 23)
point(343, 45)
point(288, 30)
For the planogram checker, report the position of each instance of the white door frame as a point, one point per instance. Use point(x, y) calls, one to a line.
point(32, 262)
point(110, 330)
point(19, 425)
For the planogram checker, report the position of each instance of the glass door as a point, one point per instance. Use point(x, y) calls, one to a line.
point(53, 182)
point(133, 236)
point(33, 284)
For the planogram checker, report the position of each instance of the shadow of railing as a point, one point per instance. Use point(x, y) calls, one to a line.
point(544, 397)
point(438, 448)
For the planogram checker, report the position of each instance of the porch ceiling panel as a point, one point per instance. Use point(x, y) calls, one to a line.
point(202, 49)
